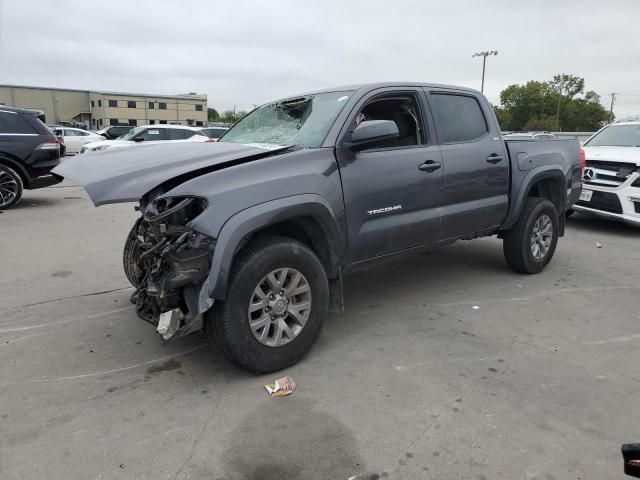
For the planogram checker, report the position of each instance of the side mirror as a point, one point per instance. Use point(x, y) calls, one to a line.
point(138, 139)
point(372, 131)
point(631, 457)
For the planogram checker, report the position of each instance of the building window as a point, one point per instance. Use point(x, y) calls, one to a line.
point(163, 122)
point(198, 124)
point(113, 121)
point(92, 105)
point(99, 103)
point(162, 106)
point(100, 119)
point(133, 122)
point(131, 104)
point(152, 122)
point(198, 108)
point(152, 105)
point(93, 122)
point(113, 103)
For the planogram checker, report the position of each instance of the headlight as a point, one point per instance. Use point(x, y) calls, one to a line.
point(99, 147)
point(174, 210)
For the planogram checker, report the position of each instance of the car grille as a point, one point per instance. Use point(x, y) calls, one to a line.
point(607, 174)
point(607, 202)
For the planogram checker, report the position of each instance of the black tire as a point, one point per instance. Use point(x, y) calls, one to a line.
point(569, 212)
point(228, 324)
point(517, 241)
point(131, 254)
point(11, 187)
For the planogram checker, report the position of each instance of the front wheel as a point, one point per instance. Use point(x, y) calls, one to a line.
point(529, 245)
point(131, 255)
point(276, 304)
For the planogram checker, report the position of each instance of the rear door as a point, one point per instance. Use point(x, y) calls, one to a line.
point(392, 192)
point(72, 140)
point(475, 162)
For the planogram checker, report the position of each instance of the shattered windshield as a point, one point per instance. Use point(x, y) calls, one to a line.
point(301, 121)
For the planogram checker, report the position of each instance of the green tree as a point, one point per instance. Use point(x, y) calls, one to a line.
point(212, 115)
point(229, 116)
point(560, 102)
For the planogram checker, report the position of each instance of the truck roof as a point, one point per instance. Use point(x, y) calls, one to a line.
point(373, 86)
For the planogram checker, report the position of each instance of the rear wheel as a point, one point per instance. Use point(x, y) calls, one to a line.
point(529, 245)
point(276, 303)
point(10, 187)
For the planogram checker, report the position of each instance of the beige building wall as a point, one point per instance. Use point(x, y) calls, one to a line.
point(147, 109)
point(57, 105)
point(93, 107)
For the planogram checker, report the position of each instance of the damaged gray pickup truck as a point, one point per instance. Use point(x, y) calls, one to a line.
point(248, 238)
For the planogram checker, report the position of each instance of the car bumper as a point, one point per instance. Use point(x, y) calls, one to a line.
point(617, 203)
point(43, 181)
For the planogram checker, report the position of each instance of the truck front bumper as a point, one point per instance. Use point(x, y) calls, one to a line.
point(620, 203)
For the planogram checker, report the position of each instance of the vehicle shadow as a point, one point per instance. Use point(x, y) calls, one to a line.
point(593, 224)
point(27, 202)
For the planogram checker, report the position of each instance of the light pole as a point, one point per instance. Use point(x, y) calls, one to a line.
point(484, 56)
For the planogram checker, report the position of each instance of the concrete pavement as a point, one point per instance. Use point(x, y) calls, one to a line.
point(540, 381)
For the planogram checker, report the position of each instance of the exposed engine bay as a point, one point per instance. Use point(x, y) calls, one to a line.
point(167, 262)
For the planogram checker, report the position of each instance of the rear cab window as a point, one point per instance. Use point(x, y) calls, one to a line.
point(459, 117)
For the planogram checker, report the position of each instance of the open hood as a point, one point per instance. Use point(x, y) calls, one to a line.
point(126, 174)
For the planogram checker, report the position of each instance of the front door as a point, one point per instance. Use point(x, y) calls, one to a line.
point(392, 190)
point(475, 164)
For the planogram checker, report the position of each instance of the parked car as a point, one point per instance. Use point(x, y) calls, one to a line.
point(114, 131)
point(612, 174)
point(249, 237)
point(214, 132)
point(28, 153)
point(75, 138)
point(531, 136)
point(60, 137)
point(150, 134)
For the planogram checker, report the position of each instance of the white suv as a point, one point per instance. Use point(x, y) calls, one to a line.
point(611, 179)
point(150, 134)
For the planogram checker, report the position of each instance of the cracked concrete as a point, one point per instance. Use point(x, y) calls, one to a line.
point(539, 382)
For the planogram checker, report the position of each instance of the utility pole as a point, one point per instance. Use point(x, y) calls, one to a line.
point(558, 111)
point(613, 99)
point(484, 56)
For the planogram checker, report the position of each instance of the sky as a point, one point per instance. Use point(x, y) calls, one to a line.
point(246, 52)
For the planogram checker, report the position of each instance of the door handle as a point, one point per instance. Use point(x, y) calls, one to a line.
point(429, 166)
point(494, 158)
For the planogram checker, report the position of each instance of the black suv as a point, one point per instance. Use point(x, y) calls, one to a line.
point(114, 131)
point(28, 153)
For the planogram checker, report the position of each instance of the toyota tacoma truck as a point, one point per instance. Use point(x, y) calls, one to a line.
point(249, 238)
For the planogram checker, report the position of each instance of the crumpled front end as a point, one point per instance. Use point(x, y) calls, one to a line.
point(168, 262)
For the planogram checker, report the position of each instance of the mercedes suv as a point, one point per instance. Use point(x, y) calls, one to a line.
point(612, 174)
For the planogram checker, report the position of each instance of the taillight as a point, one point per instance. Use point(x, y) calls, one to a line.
point(583, 160)
point(102, 137)
point(210, 140)
point(49, 145)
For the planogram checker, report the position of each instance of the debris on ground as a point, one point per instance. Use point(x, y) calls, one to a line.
point(281, 387)
point(476, 307)
point(598, 245)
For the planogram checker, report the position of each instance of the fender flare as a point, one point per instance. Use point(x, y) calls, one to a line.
point(533, 177)
point(20, 170)
point(256, 218)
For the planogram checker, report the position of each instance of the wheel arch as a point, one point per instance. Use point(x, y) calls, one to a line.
point(307, 218)
point(20, 170)
point(546, 182)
